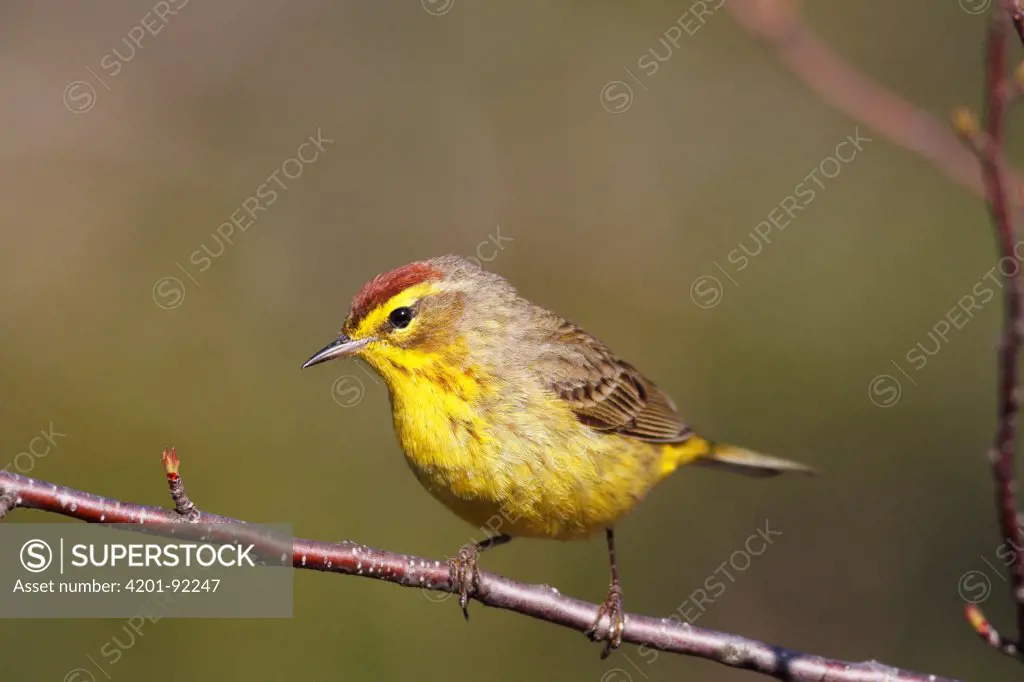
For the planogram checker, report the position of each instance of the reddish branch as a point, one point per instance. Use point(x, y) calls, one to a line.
point(999, 90)
point(538, 601)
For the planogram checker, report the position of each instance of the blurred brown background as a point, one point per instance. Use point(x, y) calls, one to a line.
point(449, 123)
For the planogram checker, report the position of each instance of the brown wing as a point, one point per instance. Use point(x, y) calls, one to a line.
point(606, 393)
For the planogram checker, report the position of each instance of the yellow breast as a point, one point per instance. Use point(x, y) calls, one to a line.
point(515, 462)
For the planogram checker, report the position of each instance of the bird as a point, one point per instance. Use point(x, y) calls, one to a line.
point(517, 420)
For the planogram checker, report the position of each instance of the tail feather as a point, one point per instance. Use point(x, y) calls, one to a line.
point(699, 451)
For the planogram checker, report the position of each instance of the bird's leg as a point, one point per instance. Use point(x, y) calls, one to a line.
point(612, 606)
point(462, 568)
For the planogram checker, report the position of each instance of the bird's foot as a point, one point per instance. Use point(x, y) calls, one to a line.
point(611, 607)
point(463, 575)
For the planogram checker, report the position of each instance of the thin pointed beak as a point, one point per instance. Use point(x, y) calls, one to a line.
point(339, 348)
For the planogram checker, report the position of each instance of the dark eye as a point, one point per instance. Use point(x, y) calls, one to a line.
point(400, 317)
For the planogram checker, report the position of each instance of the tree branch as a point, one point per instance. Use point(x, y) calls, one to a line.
point(998, 91)
point(537, 601)
point(1002, 455)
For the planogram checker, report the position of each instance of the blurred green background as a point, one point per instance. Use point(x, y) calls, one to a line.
point(447, 122)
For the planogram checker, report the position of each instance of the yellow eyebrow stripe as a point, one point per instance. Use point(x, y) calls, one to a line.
point(376, 317)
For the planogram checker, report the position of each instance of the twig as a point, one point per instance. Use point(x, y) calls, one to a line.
point(988, 633)
point(989, 149)
point(1002, 455)
point(1017, 18)
point(182, 503)
point(537, 601)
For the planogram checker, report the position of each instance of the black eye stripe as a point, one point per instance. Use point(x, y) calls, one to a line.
point(401, 317)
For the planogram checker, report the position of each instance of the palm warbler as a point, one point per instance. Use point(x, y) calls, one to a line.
point(508, 412)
